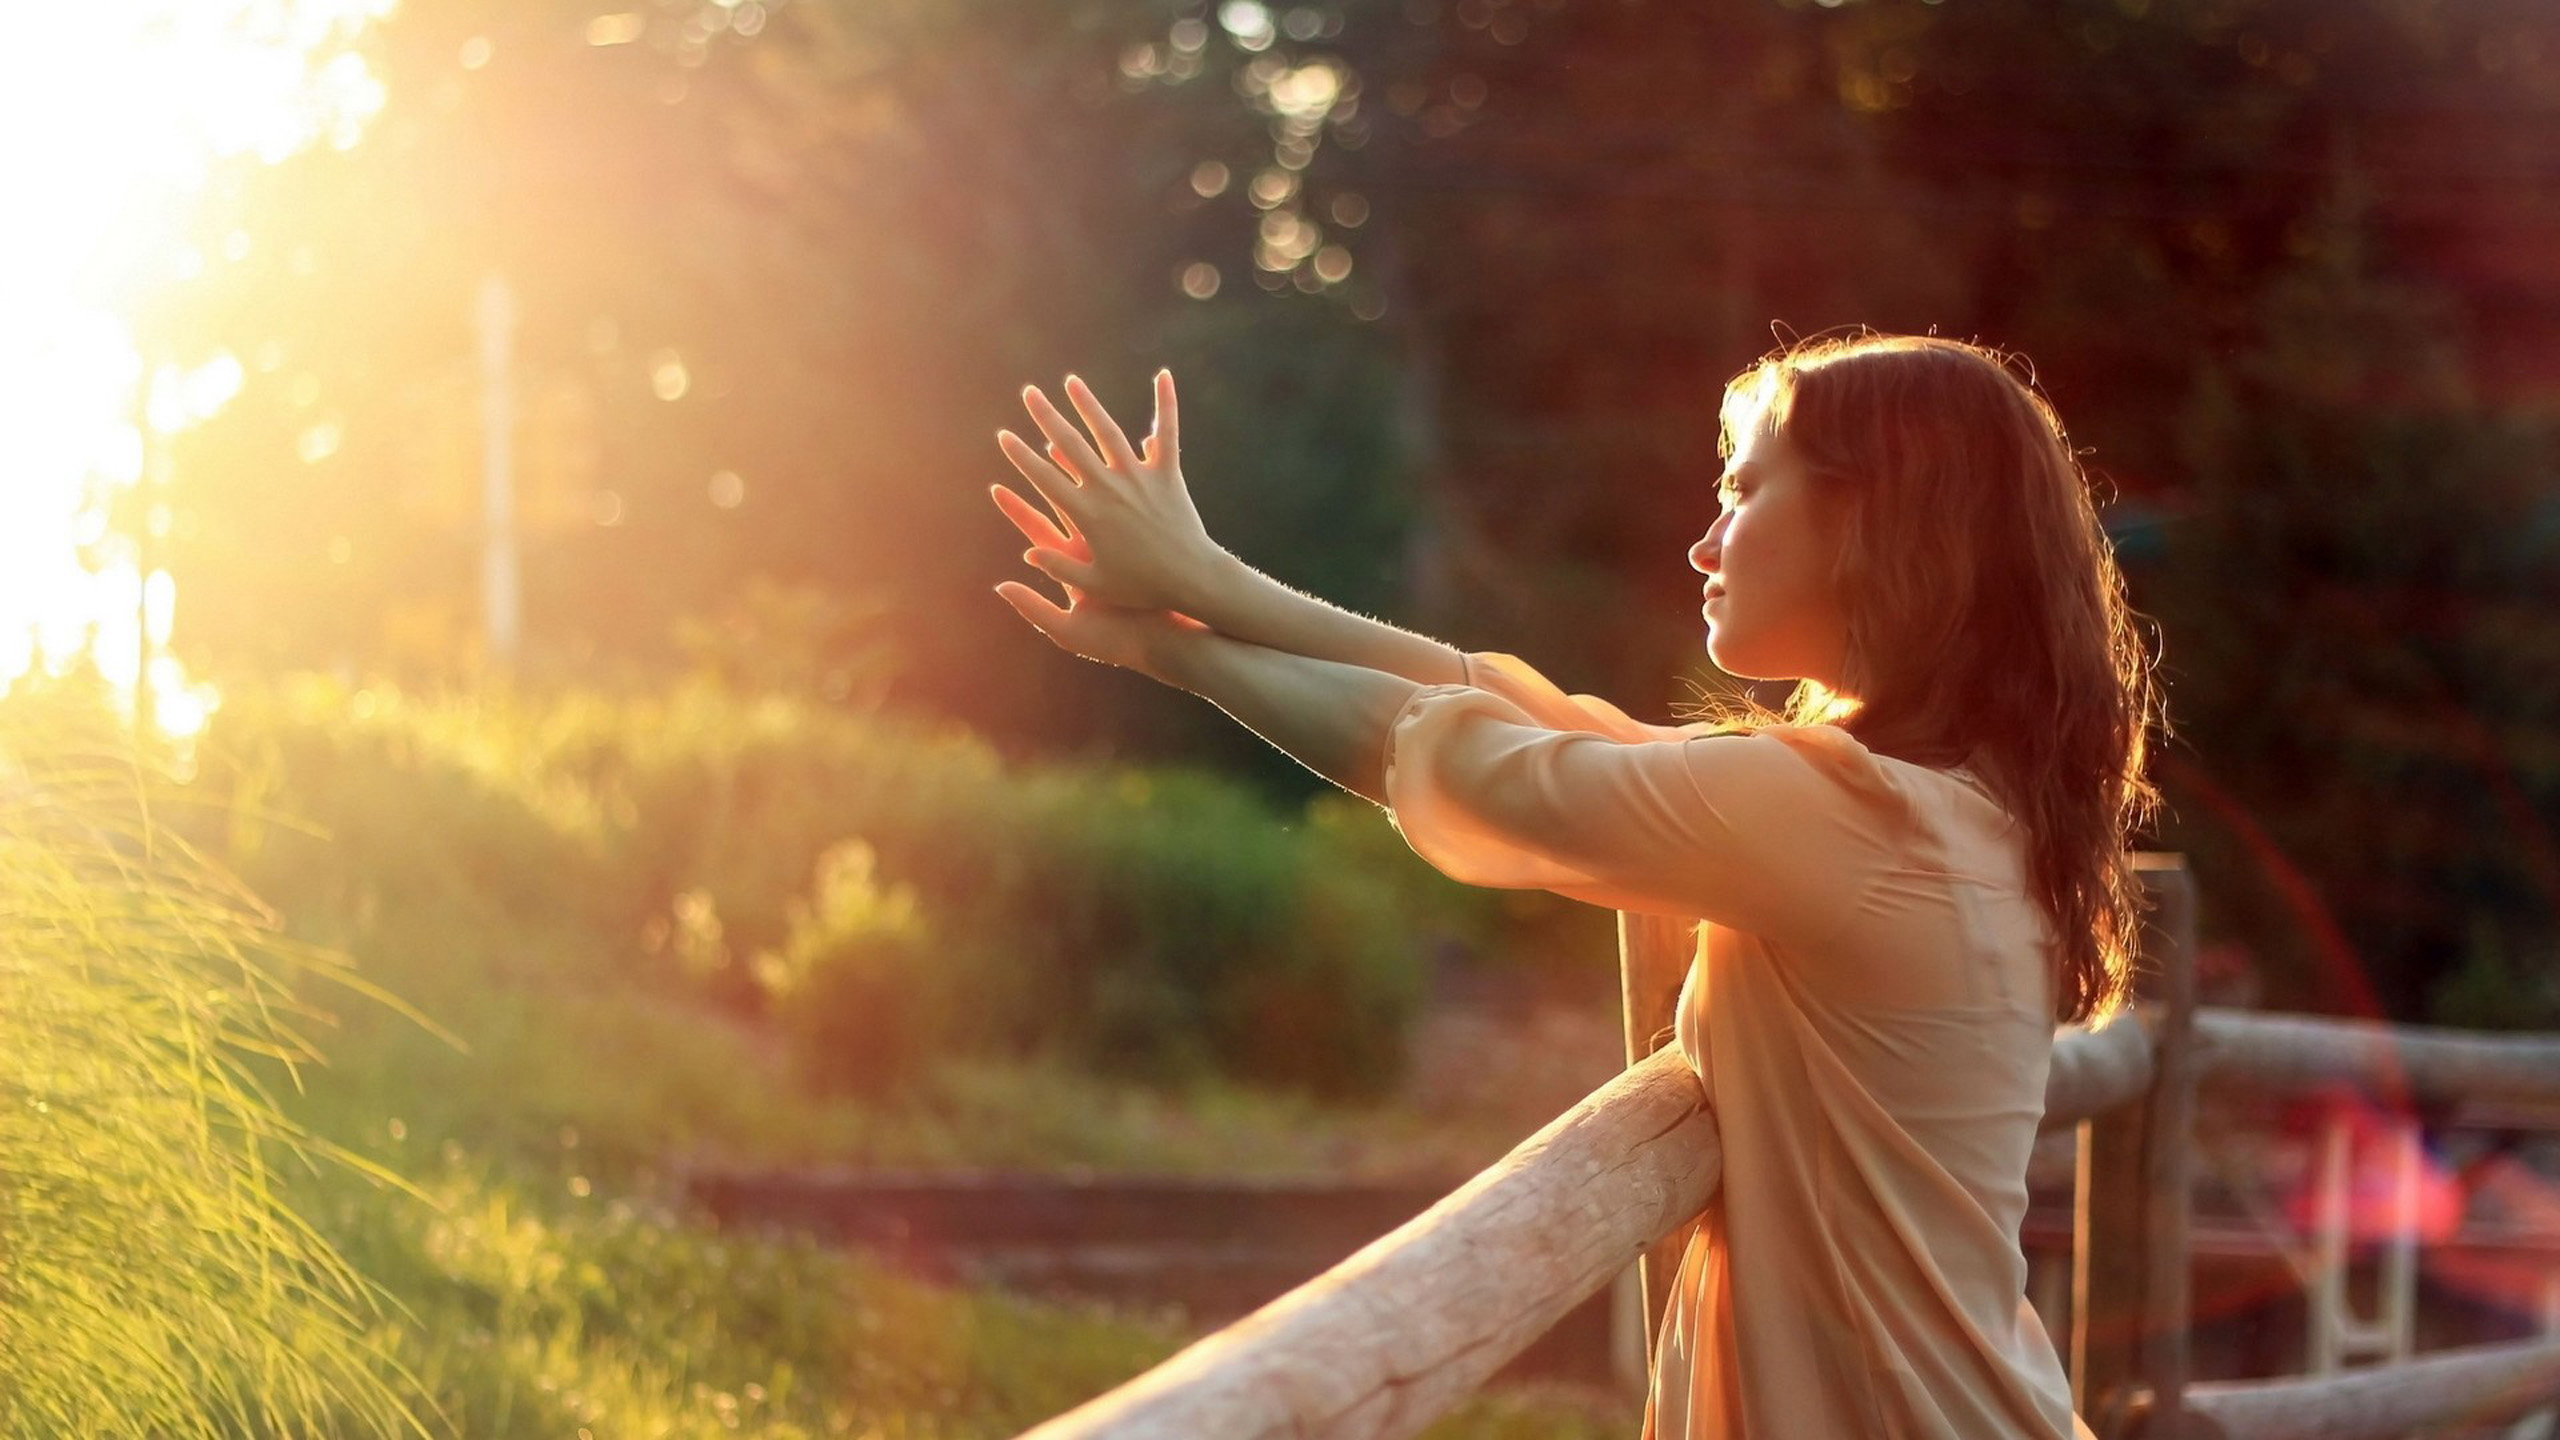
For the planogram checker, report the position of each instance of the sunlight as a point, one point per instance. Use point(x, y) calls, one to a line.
point(124, 116)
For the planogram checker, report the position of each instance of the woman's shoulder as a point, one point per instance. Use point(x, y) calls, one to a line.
point(1825, 750)
point(1832, 756)
point(1791, 765)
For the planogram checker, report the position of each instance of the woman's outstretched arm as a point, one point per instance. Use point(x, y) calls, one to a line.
point(1330, 717)
point(1733, 828)
point(1242, 603)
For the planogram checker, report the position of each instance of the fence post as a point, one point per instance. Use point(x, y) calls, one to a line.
point(2130, 1275)
point(1654, 955)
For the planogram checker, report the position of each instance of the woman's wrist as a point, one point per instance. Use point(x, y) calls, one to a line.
point(1170, 654)
point(1216, 583)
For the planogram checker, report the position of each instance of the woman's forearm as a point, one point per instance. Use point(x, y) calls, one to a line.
point(1242, 603)
point(1330, 717)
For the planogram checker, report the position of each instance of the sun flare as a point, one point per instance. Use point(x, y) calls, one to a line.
point(116, 131)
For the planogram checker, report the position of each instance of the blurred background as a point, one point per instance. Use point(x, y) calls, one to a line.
point(519, 471)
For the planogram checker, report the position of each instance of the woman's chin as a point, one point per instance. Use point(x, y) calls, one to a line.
point(1738, 662)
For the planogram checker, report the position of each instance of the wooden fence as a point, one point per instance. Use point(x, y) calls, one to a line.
point(1392, 1337)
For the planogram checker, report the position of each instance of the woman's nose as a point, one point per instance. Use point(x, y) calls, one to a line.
point(1707, 556)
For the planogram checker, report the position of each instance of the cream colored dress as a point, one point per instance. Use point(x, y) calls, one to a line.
point(1870, 1014)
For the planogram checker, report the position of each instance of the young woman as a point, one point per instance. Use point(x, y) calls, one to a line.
point(1905, 881)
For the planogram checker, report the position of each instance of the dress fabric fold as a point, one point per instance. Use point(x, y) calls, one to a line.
point(1869, 1012)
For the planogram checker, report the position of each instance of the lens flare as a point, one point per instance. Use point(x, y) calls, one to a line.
point(135, 110)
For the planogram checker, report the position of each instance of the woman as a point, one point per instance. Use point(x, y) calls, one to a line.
point(1905, 881)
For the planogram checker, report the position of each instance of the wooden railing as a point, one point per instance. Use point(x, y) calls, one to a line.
point(1388, 1340)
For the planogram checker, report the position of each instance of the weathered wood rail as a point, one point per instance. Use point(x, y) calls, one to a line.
point(1392, 1337)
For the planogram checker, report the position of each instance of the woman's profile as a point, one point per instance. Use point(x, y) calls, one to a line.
point(1904, 881)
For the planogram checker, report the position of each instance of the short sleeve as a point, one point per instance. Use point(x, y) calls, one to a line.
point(1547, 704)
point(1775, 832)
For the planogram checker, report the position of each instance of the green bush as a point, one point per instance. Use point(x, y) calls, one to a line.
point(861, 986)
point(1160, 925)
point(1166, 925)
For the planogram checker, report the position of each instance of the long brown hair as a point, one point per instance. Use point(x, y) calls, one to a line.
point(1987, 619)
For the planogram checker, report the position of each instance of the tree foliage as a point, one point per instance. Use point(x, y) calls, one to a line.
point(776, 294)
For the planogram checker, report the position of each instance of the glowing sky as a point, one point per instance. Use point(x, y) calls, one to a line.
point(122, 117)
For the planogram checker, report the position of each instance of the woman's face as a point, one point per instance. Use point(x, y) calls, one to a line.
point(1772, 610)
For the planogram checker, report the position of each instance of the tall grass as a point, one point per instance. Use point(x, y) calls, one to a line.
point(153, 1278)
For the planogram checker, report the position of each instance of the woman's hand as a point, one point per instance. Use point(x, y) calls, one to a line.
point(1126, 533)
point(1113, 634)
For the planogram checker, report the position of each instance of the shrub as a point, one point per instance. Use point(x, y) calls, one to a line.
point(1158, 924)
point(860, 986)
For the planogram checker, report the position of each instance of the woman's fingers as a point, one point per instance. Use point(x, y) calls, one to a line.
point(1034, 524)
point(1106, 431)
point(1164, 444)
point(1031, 605)
point(1079, 459)
point(1067, 570)
point(1053, 483)
point(1062, 433)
